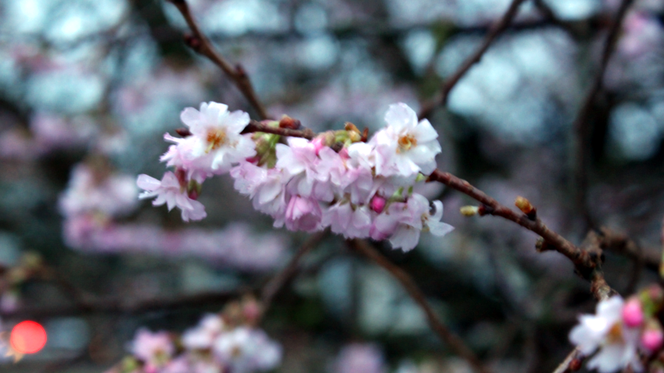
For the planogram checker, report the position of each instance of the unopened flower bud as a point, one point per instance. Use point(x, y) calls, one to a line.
point(652, 339)
point(183, 132)
point(526, 207)
point(290, 123)
point(378, 203)
point(632, 312)
point(318, 143)
point(469, 210)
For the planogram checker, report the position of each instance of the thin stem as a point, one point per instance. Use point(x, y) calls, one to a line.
point(571, 363)
point(202, 45)
point(496, 29)
point(455, 343)
point(582, 125)
point(255, 126)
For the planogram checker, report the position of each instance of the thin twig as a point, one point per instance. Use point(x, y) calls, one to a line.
point(282, 278)
point(256, 126)
point(455, 343)
point(202, 45)
point(587, 262)
point(571, 363)
point(582, 127)
point(496, 29)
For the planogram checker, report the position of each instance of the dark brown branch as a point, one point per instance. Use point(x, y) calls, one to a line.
point(202, 45)
point(586, 261)
point(582, 126)
point(282, 278)
point(455, 343)
point(496, 29)
point(256, 126)
point(123, 306)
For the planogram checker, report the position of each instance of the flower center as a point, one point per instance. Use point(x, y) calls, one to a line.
point(406, 142)
point(215, 139)
point(614, 334)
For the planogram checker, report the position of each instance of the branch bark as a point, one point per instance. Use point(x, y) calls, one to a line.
point(586, 261)
point(455, 343)
point(582, 127)
point(496, 29)
point(202, 45)
point(282, 278)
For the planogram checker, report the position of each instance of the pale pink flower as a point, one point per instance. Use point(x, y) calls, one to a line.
point(302, 214)
point(606, 330)
point(265, 187)
point(403, 222)
point(169, 191)
point(247, 350)
point(348, 220)
point(154, 349)
point(219, 142)
point(360, 358)
point(405, 147)
point(299, 159)
point(113, 195)
point(203, 336)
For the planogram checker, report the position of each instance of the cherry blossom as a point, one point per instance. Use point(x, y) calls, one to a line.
point(169, 191)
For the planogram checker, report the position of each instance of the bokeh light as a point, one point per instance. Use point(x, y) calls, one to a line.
point(28, 337)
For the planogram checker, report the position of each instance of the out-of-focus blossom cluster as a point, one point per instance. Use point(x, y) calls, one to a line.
point(622, 332)
point(11, 278)
point(360, 358)
point(225, 342)
point(96, 197)
point(338, 179)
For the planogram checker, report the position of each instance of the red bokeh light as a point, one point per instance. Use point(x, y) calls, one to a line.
point(28, 337)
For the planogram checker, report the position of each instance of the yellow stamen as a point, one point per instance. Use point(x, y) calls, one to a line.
point(215, 139)
point(406, 142)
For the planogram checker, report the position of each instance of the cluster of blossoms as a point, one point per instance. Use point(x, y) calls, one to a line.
point(97, 196)
point(623, 331)
point(225, 342)
point(357, 188)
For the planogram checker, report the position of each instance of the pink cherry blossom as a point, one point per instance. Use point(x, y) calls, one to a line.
point(405, 147)
point(169, 191)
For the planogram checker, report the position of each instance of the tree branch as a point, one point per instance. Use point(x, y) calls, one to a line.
point(455, 343)
point(256, 126)
point(202, 45)
point(282, 278)
point(586, 261)
point(582, 127)
point(496, 29)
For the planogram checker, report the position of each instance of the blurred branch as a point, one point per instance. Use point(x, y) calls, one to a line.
point(582, 126)
point(455, 343)
point(571, 363)
point(496, 29)
point(586, 261)
point(123, 306)
point(282, 278)
point(202, 45)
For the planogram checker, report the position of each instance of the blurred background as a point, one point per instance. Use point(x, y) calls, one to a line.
point(88, 88)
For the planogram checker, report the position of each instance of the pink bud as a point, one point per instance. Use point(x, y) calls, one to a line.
point(652, 339)
point(378, 203)
point(253, 159)
point(632, 312)
point(318, 144)
point(343, 153)
point(193, 194)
